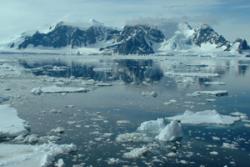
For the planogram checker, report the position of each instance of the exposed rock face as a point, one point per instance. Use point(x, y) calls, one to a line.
point(138, 39)
point(206, 34)
point(65, 35)
point(240, 45)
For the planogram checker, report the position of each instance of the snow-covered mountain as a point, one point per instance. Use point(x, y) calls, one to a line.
point(137, 39)
point(63, 35)
point(202, 38)
point(240, 45)
point(131, 39)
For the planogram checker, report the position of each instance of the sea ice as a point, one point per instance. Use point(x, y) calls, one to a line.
point(211, 93)
point(205, 117)
point(57, 89)
point(136, 153)
point(16, 155)
point(192, 74)
point(10, 124)
point(132, 137)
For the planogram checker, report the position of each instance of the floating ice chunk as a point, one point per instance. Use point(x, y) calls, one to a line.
point(152, 127)
point(10, 124)
point(192, 74)
point(58, 130)
point(214, 83)
point(230, 146)
point(239, 114)
point(136, 153)
point(16, 155)
point(103, 84)
point(122, 122)
point(132, 137)
point(149, 93)
point(171, 154)
point(170, 102)
point(214, 153)
point(215, 138)
point(205, 117)
point(211, 93)
point(171, 132)
point(113, 161)
point(60, 163)
point(57, 89)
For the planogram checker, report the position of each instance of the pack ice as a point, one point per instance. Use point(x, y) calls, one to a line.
point(10, 124)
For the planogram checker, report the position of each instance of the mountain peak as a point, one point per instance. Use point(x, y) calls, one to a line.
point(94, 22)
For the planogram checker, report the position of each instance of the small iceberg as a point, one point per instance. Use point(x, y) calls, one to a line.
point(154, 130)
point(171, 132)
point(205, 117)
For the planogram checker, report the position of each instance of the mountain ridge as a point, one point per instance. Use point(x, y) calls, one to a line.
point(139, 39)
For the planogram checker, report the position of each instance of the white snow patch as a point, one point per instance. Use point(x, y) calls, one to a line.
point(10, 124)
point(205, 117)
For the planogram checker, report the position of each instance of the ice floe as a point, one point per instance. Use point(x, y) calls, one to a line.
point(230, 146)
point(57, 89)
point(211, 93)
point(136, 152)
point(132, 137)
point(205, 117)
point(10, 124)
point(149, 93)
point(214, 83)
point(192, 74)
point(16, 155)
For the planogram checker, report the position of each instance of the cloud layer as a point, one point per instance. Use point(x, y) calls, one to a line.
point(17, 16)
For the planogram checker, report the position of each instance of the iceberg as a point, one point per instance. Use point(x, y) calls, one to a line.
point(171, 132)
point(152, 127)
point(10, 124)
point(205, 117)
point(153, 130)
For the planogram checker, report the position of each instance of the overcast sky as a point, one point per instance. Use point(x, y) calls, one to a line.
point(229, 17)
